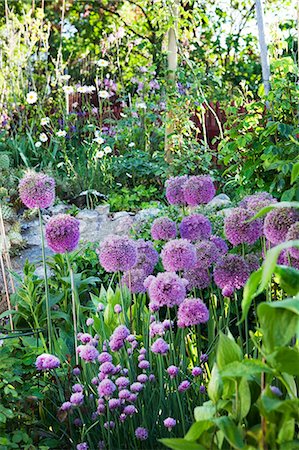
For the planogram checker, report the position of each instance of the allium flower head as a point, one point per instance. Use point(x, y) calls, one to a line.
point(293, 235)
point(192, 312)
point(207, 254)
point(134, 280)
point(195, 227)
point(141, 433)
point(220, 244)
point(118, 253)
point(163, 229)
point(257, 201)
point(172, 371)
point(124, 394)
point(160, 346)
point(37, 190)
point(167, 289)
point(147, 256)
point(231, 272)
point(144, 365)
point(253, 262)
point(62, 233)
point(196, 371)
point(130, 410)
point(122, 382)
point(177, 255)
point(118, 337)
point(174, 190)
point(238, 230)
point(106, 388)
point(88, 353)
point(107, 368)
point(104, 357)
point(82, 446)
point(198, 190)
point(136, 387)
point(77, 398)
point(114, 403)
point(169, 423)
point(197, 278)
point(46, 362)
point(278, 222)
point(184, 386)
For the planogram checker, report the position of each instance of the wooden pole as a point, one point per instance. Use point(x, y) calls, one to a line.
point(263, 45)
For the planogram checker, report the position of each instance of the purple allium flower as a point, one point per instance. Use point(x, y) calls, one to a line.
point(286, 259)
point(95, 381)
point(220, 244)
point(117, 309)
point(276, 391)
point(106, 388)
point(130, 410)
point(77, 422)
point(293, 235)
point(66, 406)
point(144, 365)
point(85, 338)
point(231, 272)
point(206, 253)
point(77, 398)
point(141, 433)
point(184, 386)
point(47, 362)
point(195, 227)
point(167, 289)
point(104, 357)
point(124, 394)
point(109, 425)
point(107, 368)
point(133, 398)
point(239, 230)
point(278, 222)
point(174, 190)
point(169, 423)
point(101, 409)
point(125, 371)
point(141, 357)
point(160, 346)
point(178, 254)
point(88, 353)
point(37, 190)
point(147, 256)
point(118, 253)
point(198, 190)
point(257, 201)
point(204, 358)
point(134, 280)
point(77, 387)
point(89, 321)
point(192, 312)
point(76, 371)
point(172, 371)
point(202, 389)
point(196, 371)
point(156, 329)
point(82, 446)
point(143, 351)
point(163, 229)
point(114, 403)
point(122, 382)
point(136, 387)
point(100, 307)
point(152, 378)
point(253, 262)
point(197, 278)
point(62, 233)
point(142, 378)
point(118, 338)
point(122, 418)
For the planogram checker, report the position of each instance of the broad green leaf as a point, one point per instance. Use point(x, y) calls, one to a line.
point(246, 368)
point(285, 360)
point(288, 279)
point(231, 431)
point(227, 351)
point(215, 386)
point(286, 430)
point(249, 292)
point(244, 398)
point(204, 412)
point(181, 444)
point(295, 173)
point(197, 429)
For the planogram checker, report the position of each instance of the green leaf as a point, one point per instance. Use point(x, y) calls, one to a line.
point(215, 386)
point(244, 398)
point(7, 313)
point(285, 360)
point(230, 430)
point(286, 430)
point(288, 279)
point(295, 172)
point(197, 429)
point(249, 292)
point(246, 368)
point(227, 351)
point(204, 412)
point(181, 444)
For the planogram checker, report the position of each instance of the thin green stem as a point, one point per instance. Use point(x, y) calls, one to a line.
point(74, 312)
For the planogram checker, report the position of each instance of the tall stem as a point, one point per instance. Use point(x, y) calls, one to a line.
point(74, 306)
point(47, 294)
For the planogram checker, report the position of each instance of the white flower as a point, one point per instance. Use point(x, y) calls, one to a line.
point(99, 140)
point(61, 133)
point(65, 77)
point(44, 121)
point(102, 63)
point(100, 154)
point(75, 104)
point(31, 97)
point(141, 105)
point(107, 150)
point(103, 94)
point(43, 137)
point(132, 144)
point(129, 175)
point(38, 144)
point(86, 89)
point(68, 89)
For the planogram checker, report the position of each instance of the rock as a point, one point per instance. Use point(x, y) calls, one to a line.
point(88, 215)
point(31, 232)
point(58, 209)
point(220, 201)
point(103, 210)
point(146, 214)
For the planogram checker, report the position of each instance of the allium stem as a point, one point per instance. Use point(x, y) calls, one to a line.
point(47, 294)
point(238, 318)
point(74, 306)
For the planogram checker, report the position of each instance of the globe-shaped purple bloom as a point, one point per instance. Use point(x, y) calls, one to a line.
point(114, 403)
point(77, 398)
point(197, 278)
point(118, 253)
point(62, 233)
point(207, 254)
point(192, 312)
point(198, 190)
point(88, 353)
point(106, 388)
point(286, 259)
point(231, 272)
point(163, 229)
point(118, 337)
point(220, 244)
point(195, 227)
point(82, 446)
point(169, 423)
point(174, 190)
point(160, 346)
point(253, 262)
point(147, 256)
point(141, 433)
point(136, 387)
point(293, 235)
point(47, 362)
point(104, 357)
point(184, 386)
point(278, 222)
point(134, 280)
point(196, 371)
point(177, 255)
point(257, 201)
point(172, 371)
point(166, 289)
point(37, 190)
point(238, 229)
